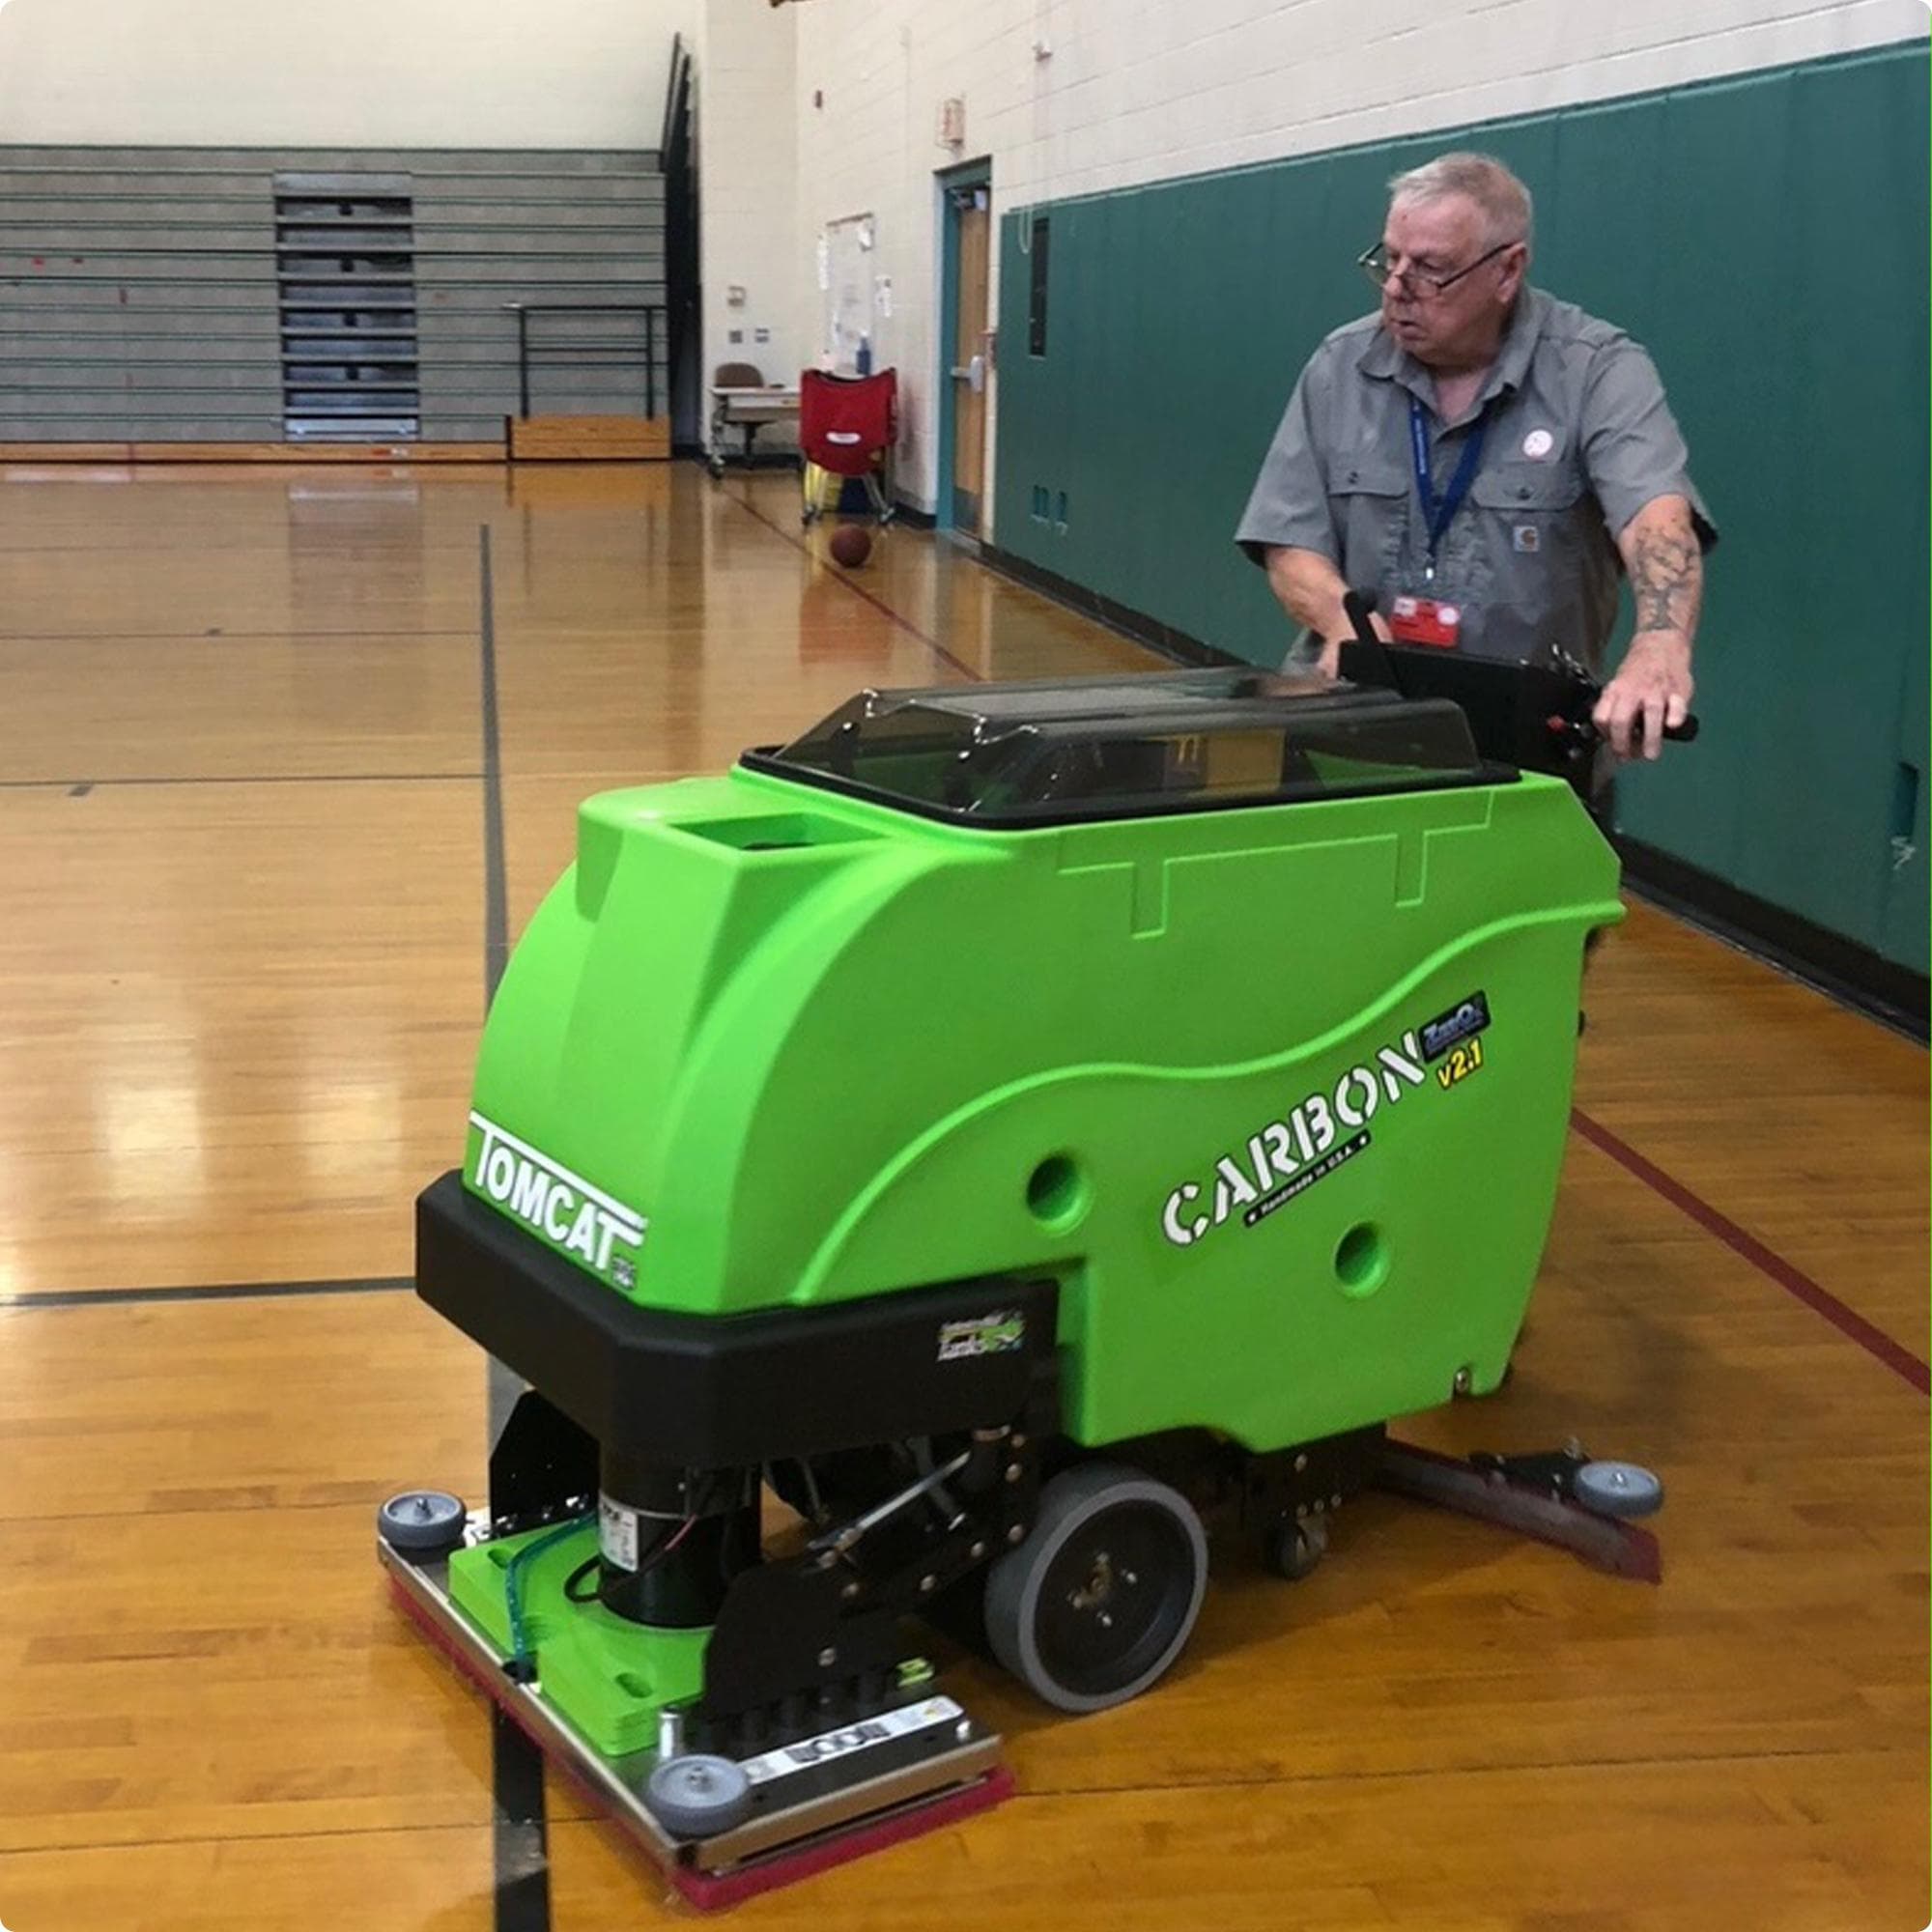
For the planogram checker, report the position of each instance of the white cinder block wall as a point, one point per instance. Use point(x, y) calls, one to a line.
point(1071, 97)
point(350, 74)
point(749, 235)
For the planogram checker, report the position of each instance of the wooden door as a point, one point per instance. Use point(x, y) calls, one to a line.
point(970, 358)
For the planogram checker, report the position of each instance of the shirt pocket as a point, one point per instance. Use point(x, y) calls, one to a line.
point(1545, 492)
point(1532, 514)
point(1529, 524)
point(1370, 502)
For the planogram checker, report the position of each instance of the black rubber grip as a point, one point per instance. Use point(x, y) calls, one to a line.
point(1356, 605)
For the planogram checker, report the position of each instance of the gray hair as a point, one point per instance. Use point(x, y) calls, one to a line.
point(1503, 199)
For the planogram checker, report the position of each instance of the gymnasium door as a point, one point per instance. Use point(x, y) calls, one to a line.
point(967, 341)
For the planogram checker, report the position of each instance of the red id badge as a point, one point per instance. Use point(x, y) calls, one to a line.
point(1422, 620)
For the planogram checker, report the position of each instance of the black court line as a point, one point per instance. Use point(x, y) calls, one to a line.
point(844, 577)
point(217, 635)
point(521, 1828)
point(227, 549)
point(503, 1387)
point(227, 1291)
point(519, 1824)
point(495, 898)
point(81, 787)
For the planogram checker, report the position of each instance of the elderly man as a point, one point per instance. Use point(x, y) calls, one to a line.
point(1481, 456)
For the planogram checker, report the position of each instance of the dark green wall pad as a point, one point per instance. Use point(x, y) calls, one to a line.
point(1764, 235)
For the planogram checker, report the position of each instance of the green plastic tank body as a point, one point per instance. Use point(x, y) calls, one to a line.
point(766, 1045)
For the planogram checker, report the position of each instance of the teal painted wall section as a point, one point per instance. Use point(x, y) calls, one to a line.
point(1765, 237)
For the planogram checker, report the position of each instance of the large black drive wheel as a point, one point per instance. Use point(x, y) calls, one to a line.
point(1093, 1608)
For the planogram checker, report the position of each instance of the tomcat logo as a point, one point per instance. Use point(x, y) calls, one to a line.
point(1286, 1156)
point(552, 1201)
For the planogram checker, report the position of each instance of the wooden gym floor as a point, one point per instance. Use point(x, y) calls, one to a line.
point(285, 759)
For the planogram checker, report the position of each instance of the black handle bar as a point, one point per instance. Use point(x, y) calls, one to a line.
point(1358, 605)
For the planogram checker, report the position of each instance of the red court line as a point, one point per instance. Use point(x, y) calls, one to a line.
point(1899, 1359)
point(932, 644)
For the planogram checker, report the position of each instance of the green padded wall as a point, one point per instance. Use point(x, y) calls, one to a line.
point(1764, 235)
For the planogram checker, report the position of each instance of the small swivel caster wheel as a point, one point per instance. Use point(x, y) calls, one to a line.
point(698, 1796)
point(421, 1522)
point(1622, 1489)
point(1295, 1547)
point(716, 466)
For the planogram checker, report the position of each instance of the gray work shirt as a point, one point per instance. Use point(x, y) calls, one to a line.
point(1578, 438)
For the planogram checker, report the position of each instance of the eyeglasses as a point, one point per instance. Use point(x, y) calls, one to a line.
point(1374, 263)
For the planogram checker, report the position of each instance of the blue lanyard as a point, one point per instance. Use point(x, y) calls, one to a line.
point(1437, 511)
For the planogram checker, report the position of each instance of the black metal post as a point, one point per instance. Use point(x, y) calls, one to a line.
point(527, 350)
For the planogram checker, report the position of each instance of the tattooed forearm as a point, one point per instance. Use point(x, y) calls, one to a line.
point(1662, 578)
point(1667, 567)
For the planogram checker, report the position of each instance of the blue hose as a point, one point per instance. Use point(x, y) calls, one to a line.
point(521, 1661)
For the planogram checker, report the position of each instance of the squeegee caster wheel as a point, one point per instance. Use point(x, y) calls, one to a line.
point(1296, 1549)
point(421, 1521)
point(1095, 1604)
point(1618, 1489)
point(698, 1796)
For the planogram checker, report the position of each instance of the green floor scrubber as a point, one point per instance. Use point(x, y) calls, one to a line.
point(923, 1173)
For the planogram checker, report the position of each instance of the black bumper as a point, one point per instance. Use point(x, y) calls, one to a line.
point(726, 1391)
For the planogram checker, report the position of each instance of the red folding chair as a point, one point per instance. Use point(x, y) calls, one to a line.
point(848, 426)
